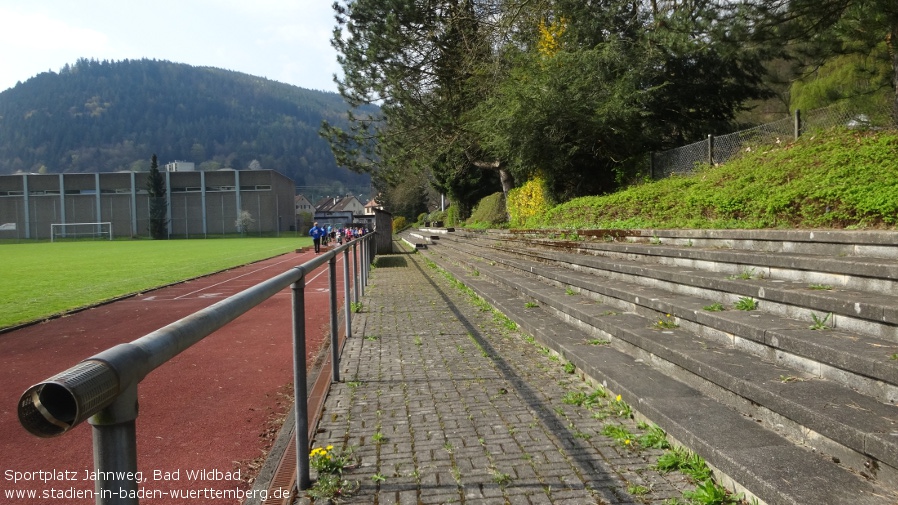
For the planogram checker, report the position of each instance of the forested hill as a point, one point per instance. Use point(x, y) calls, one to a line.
point(109, 116)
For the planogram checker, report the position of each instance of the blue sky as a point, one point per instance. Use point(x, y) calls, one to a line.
point(283, 40)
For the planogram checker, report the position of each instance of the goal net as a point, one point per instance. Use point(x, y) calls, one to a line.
point(70, 231)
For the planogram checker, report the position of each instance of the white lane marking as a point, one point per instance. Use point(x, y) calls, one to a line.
point(185, 295)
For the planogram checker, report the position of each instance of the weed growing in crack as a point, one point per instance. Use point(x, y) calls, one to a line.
point(746, 303)
point(619, 434)
point(329, 464)
point(500, 478)
point(690, 464)
point(654, 438)
point(714, 307)
point(819, 323)
point(621, 408)
point(709, 492)
point(745, 275)
point(668, 322)
point(637, 490)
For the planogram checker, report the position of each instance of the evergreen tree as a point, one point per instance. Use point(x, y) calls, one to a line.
point(857, 37)
point(158, 203)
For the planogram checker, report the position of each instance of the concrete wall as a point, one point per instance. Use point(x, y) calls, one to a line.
point(200, 203)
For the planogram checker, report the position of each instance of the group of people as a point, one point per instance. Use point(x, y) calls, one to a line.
point(323, 235)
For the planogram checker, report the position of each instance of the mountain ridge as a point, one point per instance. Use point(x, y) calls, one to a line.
point(102, 116)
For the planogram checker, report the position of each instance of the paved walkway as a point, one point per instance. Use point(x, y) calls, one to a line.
point(441, 402)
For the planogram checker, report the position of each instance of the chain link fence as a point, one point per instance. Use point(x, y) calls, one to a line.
point(720, 149)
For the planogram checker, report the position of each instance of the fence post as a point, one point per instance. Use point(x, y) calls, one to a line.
point(300, 385)
point(335, 351)
point(355, 271)
point(711, 150)
point(115, 450)
point(347, 306)
point(797, 123)
point(364, 264)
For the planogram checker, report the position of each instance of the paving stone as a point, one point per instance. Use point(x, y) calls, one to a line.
point(498, 403)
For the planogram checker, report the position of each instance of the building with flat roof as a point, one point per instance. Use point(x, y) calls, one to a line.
point(198, 203)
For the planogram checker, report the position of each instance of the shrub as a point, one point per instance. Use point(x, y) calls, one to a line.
point(437, 215)
point(489, 211)
point(526, 204)
point(399, 224)
point(422, 217)
point(452, 218)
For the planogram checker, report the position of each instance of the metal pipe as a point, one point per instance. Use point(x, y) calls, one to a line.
point(364, 254)
point(347, 304)
point(115, 451)
point(355, 273)
point(300, 384)
point(103, 388)
point(335, 351)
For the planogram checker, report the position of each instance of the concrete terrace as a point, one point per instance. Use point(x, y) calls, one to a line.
point(444, 401)
point(446, 404)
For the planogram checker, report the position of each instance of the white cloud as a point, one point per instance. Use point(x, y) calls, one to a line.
point(38, 31)
point(284, 40)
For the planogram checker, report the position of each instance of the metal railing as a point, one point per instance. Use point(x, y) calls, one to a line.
point(102, 389)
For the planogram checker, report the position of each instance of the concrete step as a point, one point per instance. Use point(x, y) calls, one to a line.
point(747, 448)
point(855, 360)
point(834, 243)
point(872, 311)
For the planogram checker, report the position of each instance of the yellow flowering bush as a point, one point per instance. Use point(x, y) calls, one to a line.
point(399, 223)
point(549, 42)
point(528, 201)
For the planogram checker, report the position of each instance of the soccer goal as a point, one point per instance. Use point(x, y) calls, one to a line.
point(70, 231)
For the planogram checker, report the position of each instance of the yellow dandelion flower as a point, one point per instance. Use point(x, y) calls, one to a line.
point(618, 398)
point(330, 447)
point(668, 315)
point(627, 442)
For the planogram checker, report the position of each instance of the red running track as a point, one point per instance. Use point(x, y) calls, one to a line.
point(211, 408)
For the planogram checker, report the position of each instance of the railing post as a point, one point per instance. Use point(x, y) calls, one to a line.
point(355, 272)
point(300, 385)
point(335, 351)
point(367, 260)
point(797, 123)
point(115, 450)
point(363, 265)
point(347, 303)
point(711, 150)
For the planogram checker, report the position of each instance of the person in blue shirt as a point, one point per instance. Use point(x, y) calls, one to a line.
point(316, 232)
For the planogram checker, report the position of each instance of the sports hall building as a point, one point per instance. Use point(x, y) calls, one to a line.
point(198, 203)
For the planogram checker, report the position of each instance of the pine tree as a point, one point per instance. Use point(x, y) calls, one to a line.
point(158, 204)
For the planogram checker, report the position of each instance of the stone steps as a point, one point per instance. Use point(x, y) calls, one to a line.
point(826, 392)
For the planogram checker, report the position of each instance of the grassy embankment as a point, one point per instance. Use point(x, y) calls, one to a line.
point(835, 179)
point(41, 279)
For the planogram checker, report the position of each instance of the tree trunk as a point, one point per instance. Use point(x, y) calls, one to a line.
point(504, 175)
point(507, 181)
point(893, 51)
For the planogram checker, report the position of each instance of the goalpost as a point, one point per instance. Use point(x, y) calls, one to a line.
point(80, 230)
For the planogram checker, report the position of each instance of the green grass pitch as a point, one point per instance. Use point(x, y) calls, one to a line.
point(41, 279)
